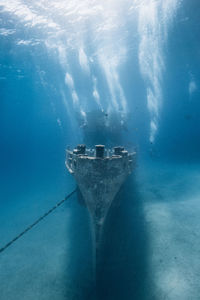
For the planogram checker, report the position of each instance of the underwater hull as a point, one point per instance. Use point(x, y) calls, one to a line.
point(98, 195)
point(99, 179)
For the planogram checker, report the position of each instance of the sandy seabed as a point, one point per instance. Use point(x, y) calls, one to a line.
point(150, 248)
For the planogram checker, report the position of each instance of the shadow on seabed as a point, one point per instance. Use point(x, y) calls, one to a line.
point(122, 262)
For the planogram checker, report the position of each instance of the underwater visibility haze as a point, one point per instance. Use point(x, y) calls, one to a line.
point(123, 72)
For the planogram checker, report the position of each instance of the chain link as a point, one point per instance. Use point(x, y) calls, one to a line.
point(36, 222)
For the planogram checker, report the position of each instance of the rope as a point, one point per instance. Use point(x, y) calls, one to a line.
point(36, 222)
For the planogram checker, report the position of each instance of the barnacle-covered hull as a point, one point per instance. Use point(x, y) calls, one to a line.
point(99, 177)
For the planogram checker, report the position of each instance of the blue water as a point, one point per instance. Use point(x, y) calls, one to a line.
point(114, 72)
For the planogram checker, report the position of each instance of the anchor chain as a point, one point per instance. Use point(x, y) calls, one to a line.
point(36, 222)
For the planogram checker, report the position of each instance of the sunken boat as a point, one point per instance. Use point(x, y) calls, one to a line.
point(99, 174)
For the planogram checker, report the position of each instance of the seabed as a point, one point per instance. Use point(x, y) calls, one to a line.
point(150, 247)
